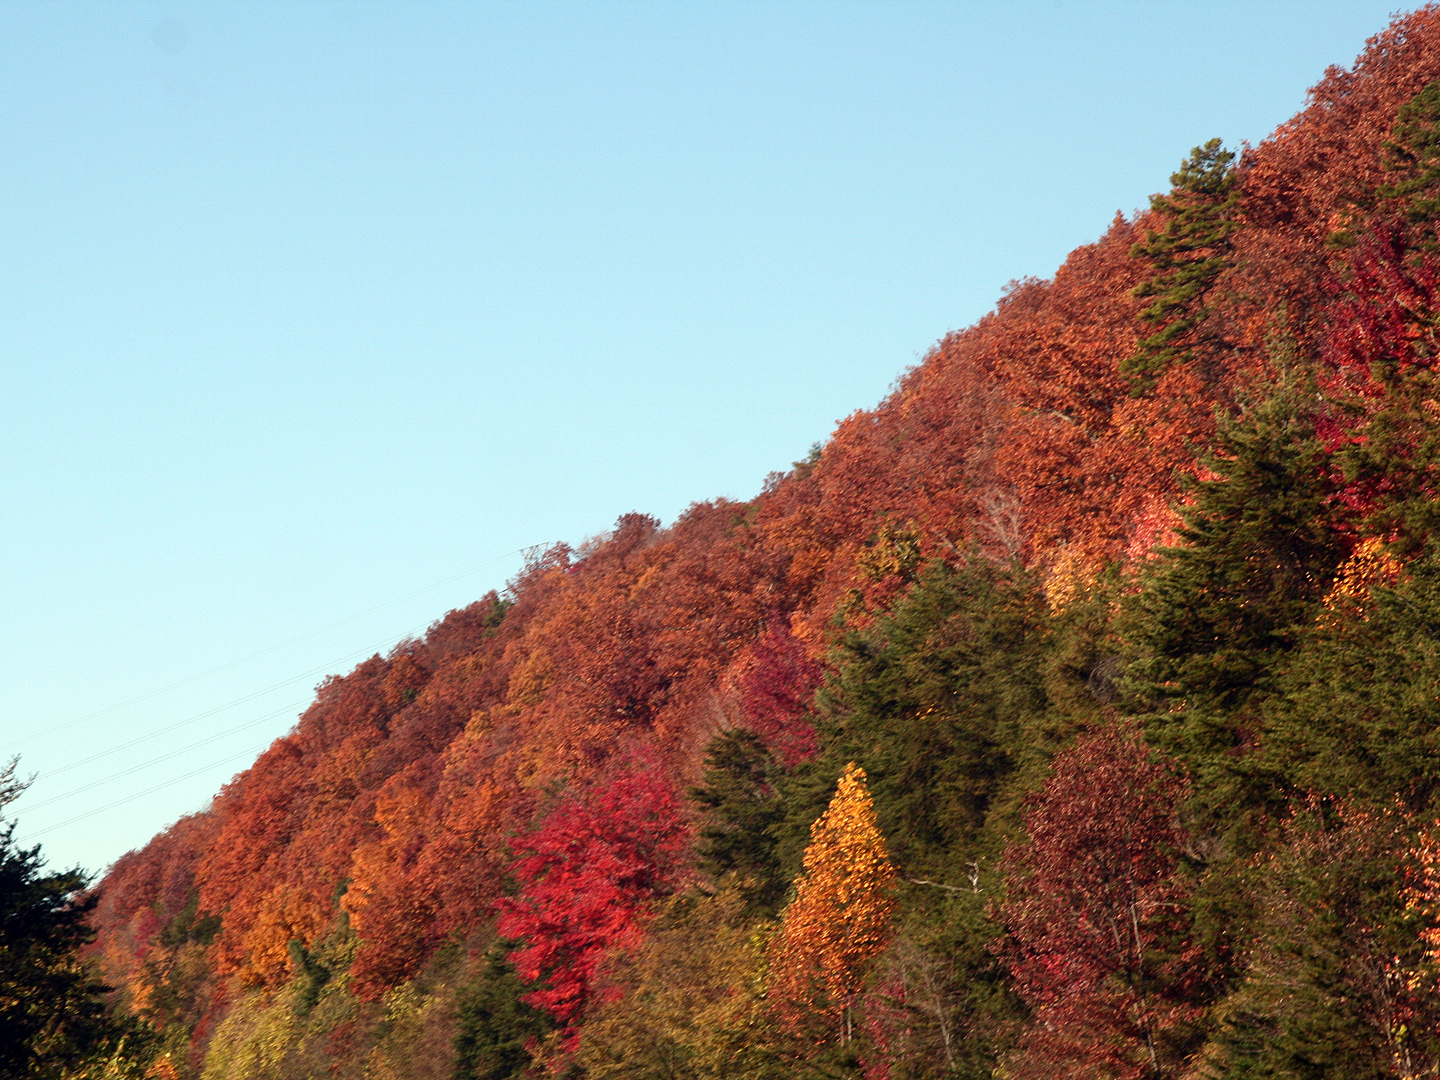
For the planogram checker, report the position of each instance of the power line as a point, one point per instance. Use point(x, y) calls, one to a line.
point(263, 652)
point(32, 807)
point(254, 751)
point(329, 665)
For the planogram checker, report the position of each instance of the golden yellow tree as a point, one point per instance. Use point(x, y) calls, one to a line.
point(839, 921)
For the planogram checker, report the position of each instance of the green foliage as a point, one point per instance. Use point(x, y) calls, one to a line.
point(1327, 992)
point(944, 1003)
point(687, 1004)
point(495, 1026)
point(1357, 714)
point(1221, 611)
point(53, 1020)
point(1188, 256)
point(1413, 153)
point(741, 809)
point(953, 702)
point(931, 701)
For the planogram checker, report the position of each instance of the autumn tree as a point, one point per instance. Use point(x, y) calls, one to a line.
point(840, 919)
point(585, 880)
point(1098, 908)
point(687, 1002)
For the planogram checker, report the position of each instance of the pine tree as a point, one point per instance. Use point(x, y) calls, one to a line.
point(1221, 611)
point(840, 919)
point(1355, 716)
point(1413, 154)
point(1331, 989)
point(495, 1025)
point(53, 1021)
point(741, 807)
point(1188, 254)
point(942, 700)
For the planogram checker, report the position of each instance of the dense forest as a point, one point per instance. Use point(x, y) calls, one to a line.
point(1075, 712)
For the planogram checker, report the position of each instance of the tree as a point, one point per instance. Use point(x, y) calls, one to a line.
point(586, 878)
point(1221, 611)
point(742, 808)
point(53, 1022)
point(1413, 154)
point(691, 1007)
point(1098, 909)
point(496, 1026)
point(1355, 715)
point(1188, 254)
point(941, 699)
point(1333, 957)
point(839, 921)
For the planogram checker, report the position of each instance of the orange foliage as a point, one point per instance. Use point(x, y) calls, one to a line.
point(839, 921)
point(1017, 437)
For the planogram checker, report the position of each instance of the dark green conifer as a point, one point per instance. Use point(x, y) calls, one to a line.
point(495, 1025)
point(1413, 154)
point(934, 701)
point(1221, 611)
point(1330, 944)
point(1359, 715)
point(741, 807)
point(1188, 256)
point(53, 1020)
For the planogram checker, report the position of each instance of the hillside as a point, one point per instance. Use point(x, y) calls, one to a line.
point(1123, 603)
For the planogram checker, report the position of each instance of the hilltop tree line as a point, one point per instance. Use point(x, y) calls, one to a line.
point(1073, 713)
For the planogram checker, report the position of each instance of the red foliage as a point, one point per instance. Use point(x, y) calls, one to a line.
point(1016, 436)
point(586, 878)
point(1098, 912)
point(777, 685)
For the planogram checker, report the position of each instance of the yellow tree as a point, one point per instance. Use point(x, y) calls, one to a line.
point(839, 921)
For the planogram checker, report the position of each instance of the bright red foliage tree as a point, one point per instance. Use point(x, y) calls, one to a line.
point(586, 878)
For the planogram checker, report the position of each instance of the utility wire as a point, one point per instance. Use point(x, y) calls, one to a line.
point(266, 651)
point(32, 807)
point(328, 666)
point(252, 752)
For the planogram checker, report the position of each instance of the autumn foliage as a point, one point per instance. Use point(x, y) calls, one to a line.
point(1098, 906)
point(482, 839)
point(839, 921)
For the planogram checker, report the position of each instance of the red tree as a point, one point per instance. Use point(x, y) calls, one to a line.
point(1099, 918)
point(586, 878)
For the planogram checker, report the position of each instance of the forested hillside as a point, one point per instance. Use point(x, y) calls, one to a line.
point(1075, 712)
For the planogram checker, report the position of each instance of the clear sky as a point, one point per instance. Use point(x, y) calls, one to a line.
point(312, 315)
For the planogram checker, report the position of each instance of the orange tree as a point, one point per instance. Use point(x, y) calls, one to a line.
point(839, 921)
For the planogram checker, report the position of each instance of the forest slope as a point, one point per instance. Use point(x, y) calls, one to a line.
point(1136, 517)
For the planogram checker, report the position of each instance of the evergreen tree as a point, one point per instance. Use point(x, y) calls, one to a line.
point(1329, 991)
point(53, 1021)
point(1357, 715)
point(1413, 154)
point(496, 1026)
point(941, 700)
point(1224, 608)
point(741, 808)
point(1188, 254)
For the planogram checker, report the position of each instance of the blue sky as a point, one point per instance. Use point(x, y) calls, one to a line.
point(312, 315)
